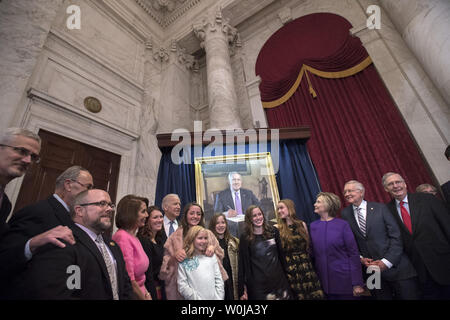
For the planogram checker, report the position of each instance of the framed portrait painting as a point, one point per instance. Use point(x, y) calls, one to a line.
point(230, 184)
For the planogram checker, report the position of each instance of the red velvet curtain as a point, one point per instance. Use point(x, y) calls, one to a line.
point(357, 131)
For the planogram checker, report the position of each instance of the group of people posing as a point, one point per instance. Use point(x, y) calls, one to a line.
point(58, 248)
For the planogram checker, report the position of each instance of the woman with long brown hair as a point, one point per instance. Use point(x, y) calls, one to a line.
point(152, 238)
point(261, 261)
point(230, 245)
point(295, 242)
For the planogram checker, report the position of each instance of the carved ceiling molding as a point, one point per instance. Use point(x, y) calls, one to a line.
point(165, 12)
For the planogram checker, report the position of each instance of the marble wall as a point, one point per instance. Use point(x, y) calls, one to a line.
point(425, 111)
point(105, 59)
point(24, 26)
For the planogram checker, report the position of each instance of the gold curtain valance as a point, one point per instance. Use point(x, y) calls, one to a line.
point(324, 74)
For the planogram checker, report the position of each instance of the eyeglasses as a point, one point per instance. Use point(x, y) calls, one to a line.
point(350, 191)
point(24, 153)
point(102, 204)
point(392, 183)
point(87, 186)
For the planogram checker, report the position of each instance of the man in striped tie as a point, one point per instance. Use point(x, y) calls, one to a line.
point(380, 244)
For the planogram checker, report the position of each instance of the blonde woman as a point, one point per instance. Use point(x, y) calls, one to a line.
point(335, 251)
point(199, 276)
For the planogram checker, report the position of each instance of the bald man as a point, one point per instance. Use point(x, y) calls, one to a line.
point(96, 261)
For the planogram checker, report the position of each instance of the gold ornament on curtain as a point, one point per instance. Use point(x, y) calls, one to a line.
point(324, 74)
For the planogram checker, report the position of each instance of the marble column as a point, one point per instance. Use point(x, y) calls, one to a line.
point(174, 109)
point(425, 25)
point(148, 154)
point(24, 26)
point(215, 36)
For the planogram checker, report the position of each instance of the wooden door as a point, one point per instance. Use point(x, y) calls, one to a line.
point(57, 154)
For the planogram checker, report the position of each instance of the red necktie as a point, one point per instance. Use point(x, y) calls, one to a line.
point(406, 217)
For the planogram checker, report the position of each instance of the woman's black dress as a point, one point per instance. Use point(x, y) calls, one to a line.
point(262, 268)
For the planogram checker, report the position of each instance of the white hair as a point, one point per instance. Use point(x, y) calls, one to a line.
point(358, 184)
point(387, 175)
point(7, 135)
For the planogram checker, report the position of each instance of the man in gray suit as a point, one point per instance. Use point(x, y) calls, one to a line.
point(380, 244)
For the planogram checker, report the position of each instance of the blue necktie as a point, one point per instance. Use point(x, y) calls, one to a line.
point(171, 230)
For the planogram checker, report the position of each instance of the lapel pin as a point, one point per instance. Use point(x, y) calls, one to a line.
point(112, 244)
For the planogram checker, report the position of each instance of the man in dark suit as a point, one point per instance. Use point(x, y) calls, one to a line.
point(234, 200)
point(380, 244)
point(91, 269)
point(425, 226)
point(18, 149)
point(36, 225)
point(171, 206)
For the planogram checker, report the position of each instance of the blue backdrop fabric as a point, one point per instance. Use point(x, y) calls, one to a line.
point(296, 177)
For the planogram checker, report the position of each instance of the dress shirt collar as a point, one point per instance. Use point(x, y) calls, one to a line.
point(405, 200)
point(234, 192)
point(363, 205)
point(90, 233)
point(61, 201)
point(167, 221)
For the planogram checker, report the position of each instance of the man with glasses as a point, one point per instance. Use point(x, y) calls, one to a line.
point(100, 266)
point(380, 244)
point(425, 227)
point(36, 225)
point(18, 149)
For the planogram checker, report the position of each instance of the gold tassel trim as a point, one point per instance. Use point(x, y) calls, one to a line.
point(323, 74)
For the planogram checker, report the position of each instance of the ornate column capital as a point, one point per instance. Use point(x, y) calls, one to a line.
point(216, 35)
point(187, 60)
point(208, 27)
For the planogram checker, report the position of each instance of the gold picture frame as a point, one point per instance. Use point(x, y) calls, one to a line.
point(256, 170)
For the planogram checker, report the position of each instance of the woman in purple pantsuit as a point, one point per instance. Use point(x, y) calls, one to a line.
point(335, 251)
